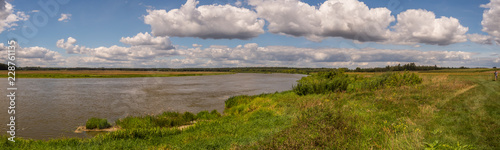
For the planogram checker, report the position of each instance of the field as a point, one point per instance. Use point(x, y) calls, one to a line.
point(104, 74)
point(434, 110)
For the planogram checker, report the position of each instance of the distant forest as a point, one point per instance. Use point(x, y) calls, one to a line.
point(399, 67)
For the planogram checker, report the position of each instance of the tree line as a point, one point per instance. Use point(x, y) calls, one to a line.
point(399, 67)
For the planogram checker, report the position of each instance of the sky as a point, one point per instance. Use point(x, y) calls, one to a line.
point(252, 33)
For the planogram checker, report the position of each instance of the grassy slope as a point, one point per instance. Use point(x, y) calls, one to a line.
point(448, 110)
point(105, 74)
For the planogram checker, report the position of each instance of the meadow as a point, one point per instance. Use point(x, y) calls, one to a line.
point(329, 110)
point(104, 74)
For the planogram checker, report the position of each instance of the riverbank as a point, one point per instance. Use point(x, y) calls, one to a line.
point(446, 111)
point(105, 74)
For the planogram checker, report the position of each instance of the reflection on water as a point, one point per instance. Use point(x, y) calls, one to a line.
point(51, 108)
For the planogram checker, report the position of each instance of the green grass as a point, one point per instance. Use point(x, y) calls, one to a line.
point(445, 111)
point(97, 123)
point(165, 120)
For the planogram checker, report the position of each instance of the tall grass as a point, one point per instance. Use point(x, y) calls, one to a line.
point(338, 81)
point(97, 123)
point(166, 119)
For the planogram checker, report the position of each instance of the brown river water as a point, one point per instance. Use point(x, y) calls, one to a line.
point(54, 108)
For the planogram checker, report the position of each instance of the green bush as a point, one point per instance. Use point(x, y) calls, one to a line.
point(215, 113)
point(188, 116)
point(237, 100)
point(98, 123)
point(205, 115)
point(137, 122)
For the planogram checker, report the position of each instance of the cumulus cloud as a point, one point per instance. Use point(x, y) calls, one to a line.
point(142, 46)
point(206, 22)
point(145, 39)
point(422, 26)
point(247, 55)
point(8, 17)
point(480, 39)
point(349, 19)
point(64, 17)
point(253, 55)
point(34, 56)
point(70, 48)
point(352, 19)
point(491, 19)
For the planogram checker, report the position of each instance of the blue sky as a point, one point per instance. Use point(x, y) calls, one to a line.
point(93, 24)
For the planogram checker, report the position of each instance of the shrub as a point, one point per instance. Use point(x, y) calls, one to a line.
point(237, 100)
point(188, 116)
point(94, 123)
point(215, 113)
point(208, 116)
point(137, 122)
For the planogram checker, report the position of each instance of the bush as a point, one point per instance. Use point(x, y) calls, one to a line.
point(237, 100)
point(215, 113)
point(94, 123)
point(208, 116)
point(137, 122)
point(188, 116)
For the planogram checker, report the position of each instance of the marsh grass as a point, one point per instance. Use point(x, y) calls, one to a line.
point(338, 81)
point(97, 123)
point(164, 120)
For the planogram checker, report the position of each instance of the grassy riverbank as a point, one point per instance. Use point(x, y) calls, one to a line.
point(105, 74)
point(447, 110)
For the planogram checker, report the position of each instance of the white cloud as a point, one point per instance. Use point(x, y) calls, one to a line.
point(142, 46)
point(197, 45)
point(352, 19)
point(480, 39)
point(148, 40)
point(34, 56)
point(64, 17)
point(250, 54)
point(491, 19)
point(349, 19)
point(238, 3)
point(70, 47)
point(8, 17)
point(206, 21)
point(253, 55)
point(422, 26)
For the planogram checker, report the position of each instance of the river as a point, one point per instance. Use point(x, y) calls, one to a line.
point(53, 108)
